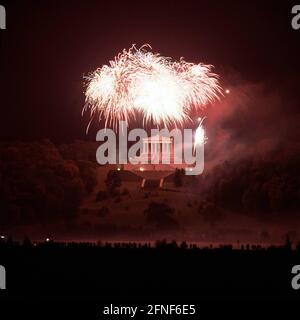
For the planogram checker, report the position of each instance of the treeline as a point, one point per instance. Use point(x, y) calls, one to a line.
point(158, 244)
point(38, 185)
point(254, 186)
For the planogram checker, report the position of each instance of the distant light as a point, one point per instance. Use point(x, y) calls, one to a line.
point(199, 118)
point(2, 237)
point(141, 169)
point(47, 239)
point(119, 169)
point(227, 91)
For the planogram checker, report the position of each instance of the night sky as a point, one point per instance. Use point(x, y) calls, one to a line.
point(49, 45)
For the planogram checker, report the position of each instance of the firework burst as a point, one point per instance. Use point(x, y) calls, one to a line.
point(200, 137)
point(138, 81)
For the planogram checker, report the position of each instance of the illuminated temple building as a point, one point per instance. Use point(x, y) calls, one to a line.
point(150, 164)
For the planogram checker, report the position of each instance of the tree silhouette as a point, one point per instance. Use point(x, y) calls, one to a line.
point(160, 216)
point(113, 182)
point(178, 178)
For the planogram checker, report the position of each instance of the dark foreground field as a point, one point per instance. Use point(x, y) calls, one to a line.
point(82, 278)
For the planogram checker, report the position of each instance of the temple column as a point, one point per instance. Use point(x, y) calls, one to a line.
point(145, 147)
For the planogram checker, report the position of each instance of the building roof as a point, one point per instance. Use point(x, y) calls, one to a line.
point(158, 139)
